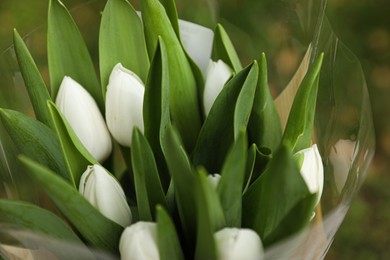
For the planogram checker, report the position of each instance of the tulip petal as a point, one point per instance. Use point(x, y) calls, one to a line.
point(312, 170)
point(139, 242)
point(198, 42)
point(83, 115)
point(217, 75)
point(104, 192)
point(238, 244)
point(124, 103)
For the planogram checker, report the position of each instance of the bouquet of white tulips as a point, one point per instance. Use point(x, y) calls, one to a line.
point(175, 151)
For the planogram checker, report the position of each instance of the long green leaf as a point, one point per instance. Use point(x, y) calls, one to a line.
point(300, 123)
point(92, 225)
point(168, 241)
point(68, 54)
point(226, 117)
point(223, 49)
point(29, 216)
point(170, 8)
point(295, 220)
point(35, 85)
point(77, 158)
point(184, 100)
point(156, 107)
point(245, 100)
point(232, 179)
point(271, 198)
point(147, 182)
point(264, 124)
point(121, 39)
point(183, 179)
point(34, 139)
point(210, 217)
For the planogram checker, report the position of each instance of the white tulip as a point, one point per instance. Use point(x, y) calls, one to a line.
point(81, 111)
point(104, 192)
point(312, 170)
point(217, 75)
point(198, 42)
point(139, 242)
point(238, 244)
point(124, 102)
point(214, 179)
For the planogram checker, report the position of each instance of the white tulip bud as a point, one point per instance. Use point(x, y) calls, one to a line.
point(104, 192)
point(124, 103)
point(214, 179)
point(81, 111)
point(217, 75)
point(198, 42)
point(139, 242)
point(238, 244)
point(312, 170)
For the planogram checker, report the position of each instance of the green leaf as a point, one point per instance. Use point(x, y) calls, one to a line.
point(170, 8)
point(156, 107)
point(35, 85)
point(68, 54)
point(295, 221)
point(263, 156)
point(168, 242)
point(229, 114)
point(250, 166)
point(299, 128)
point(231, 183)
point(210, 217)
point(121, 39)
point(183, 179)
point(147, 182)
point(77, 158)
point(34, 139)
point(223, 49)
point(92, 225)
point(264, 124)
point(29, 216)
point(273, 196)
point(184, 101)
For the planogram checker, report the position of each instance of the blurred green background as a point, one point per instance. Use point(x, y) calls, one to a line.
point(364, 26)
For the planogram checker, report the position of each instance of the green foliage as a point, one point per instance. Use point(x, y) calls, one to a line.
point(119, 44)
point(184, 101)
point(85, 217)
point(67, 53)
point(36, 87)
point(29, 216)
point(229, 114)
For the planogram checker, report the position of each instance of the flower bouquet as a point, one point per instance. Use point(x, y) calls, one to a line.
point(177, 149)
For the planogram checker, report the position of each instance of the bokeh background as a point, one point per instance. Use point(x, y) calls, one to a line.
point(364, 26)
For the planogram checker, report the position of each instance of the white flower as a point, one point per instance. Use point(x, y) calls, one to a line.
point(104, 192)
point(238, 244)
point(214, 179)
point(83, 115)
point(312, 170)
point(217, 75)
point(139, 242)
point(124, 102)
point(198, 42)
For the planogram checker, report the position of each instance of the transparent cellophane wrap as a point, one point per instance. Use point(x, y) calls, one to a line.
point(291, 33)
